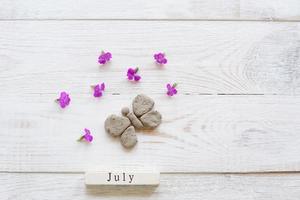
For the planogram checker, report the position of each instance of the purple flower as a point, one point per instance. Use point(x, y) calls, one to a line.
point(132, 74)
point(171, 89)
point(160, 58)
point(98, 90)
point(87, 136)
point(104, 57)
point(64, 99)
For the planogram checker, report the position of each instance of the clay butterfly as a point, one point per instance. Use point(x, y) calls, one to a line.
point(142, 116)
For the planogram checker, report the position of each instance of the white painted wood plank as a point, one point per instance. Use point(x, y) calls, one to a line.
point(178, 187)
point(198, 134)
point(155, 9)
point(270, 9)
point(204, 57)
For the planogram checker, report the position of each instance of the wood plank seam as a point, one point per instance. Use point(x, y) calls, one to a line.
point(163, 20)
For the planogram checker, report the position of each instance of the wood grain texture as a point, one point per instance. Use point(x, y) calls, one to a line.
point(237, 110)
point(210, 187)
point(198, 134)
point(204, 57)
point(155, 9)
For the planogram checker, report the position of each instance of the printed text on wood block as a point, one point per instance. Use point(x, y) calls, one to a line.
point(122, 178)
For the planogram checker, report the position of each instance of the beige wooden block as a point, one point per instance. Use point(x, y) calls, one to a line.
point(122, 178)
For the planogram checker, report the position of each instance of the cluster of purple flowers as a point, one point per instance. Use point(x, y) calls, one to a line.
point(160, 58)
point(104, 57)
point(87, 136)
point(171, 89)
point(98, 89)
point(64, 99)
point(132, 75)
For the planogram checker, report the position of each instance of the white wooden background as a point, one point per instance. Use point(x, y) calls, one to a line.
point(232, 132)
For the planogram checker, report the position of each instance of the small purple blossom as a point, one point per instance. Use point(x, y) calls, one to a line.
point(160, 58)
point(104, 57)
point(87, 136)
point(171, 89)
point(64, 99)
point(132, 74)
point(98, 89)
